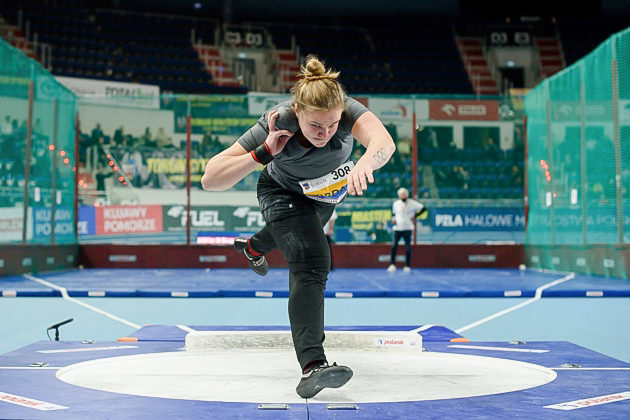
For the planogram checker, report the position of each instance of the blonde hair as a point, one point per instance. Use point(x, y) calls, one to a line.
point(317, 88)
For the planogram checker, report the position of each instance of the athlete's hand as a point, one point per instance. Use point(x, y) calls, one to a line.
point(359, 177)
point(277, 139)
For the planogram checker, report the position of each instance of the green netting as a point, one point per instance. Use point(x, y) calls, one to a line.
point(578, 172)
point(44, 173)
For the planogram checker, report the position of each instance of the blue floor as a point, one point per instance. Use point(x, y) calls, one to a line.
point(341, 283)
point(593, 327)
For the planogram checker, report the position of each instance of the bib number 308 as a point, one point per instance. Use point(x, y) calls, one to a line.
point(341, 172)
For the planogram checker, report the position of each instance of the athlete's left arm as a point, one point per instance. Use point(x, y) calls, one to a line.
point(380, 147)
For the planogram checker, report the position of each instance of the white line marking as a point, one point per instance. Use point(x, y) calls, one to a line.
point(185, 328)
point(31, 367)
point(422, 328)
point(591, 368)
point(82, 349)
point(64, 295)
point(461, 346)
point(536, 297)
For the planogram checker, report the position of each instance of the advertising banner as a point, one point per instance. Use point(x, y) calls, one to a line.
point(213, 218)
point(87, 221)
point(113, 220)
point(259, 103)
point(64, 221)
point(464, 110)
point(391, 108)
point(569, 111)
point(11, 223)
point(365, 218)
point(599, 218)
point(13, 86)
point(225, 115)
point(108, 92)
point(456, 219)
point(159, 168)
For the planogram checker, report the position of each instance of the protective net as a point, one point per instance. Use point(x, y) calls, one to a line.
point(578, 126)
point(37, 163)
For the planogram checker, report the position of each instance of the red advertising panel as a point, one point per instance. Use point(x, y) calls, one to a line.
point(463, 110)
point(114, 220)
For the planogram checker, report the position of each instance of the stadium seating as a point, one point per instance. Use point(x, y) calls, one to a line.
point(122, 46)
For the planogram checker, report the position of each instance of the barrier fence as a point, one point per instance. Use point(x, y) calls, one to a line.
point(578, 133)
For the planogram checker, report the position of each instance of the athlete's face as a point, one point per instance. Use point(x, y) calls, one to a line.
point(319, 126)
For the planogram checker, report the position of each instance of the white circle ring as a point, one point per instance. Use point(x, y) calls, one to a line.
point(270, 376)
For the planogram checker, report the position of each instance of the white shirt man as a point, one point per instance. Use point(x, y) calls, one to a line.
point(404, 213)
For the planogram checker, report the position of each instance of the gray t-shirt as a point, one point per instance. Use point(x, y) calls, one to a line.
point(297, 163)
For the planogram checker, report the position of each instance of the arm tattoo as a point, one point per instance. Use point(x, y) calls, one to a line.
point(380, 156)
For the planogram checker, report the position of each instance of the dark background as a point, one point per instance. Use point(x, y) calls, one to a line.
point(339, 11)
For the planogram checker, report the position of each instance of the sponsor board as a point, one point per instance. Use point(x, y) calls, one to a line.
point(13, 86)
point(213, 218)
point(123, 258)
point(570, 111)
point(599, 218)
point(440, 109)
point(114, 93)
point(221, 114)
point(478, 219)
point(64, 223)
point(259, 103)
point(213, 258)
point(160, 168)
point(86, 224)
point(364, 219)
point(482, 258)
point(392, 108)
point(113, 220)
point(11, 223)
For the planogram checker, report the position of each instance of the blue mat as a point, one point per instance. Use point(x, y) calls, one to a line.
point(583, 375)
point(342, 283)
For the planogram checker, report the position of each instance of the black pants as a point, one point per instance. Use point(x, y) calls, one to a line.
point(331, 242)
point(294, 224)
point(406, 235)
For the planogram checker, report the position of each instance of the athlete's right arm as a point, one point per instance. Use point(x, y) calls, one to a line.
point(227, 168)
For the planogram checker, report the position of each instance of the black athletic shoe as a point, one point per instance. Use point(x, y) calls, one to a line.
point(323, 376)
point(258, 264)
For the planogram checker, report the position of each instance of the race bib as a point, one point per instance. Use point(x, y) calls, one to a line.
point(330, 188)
